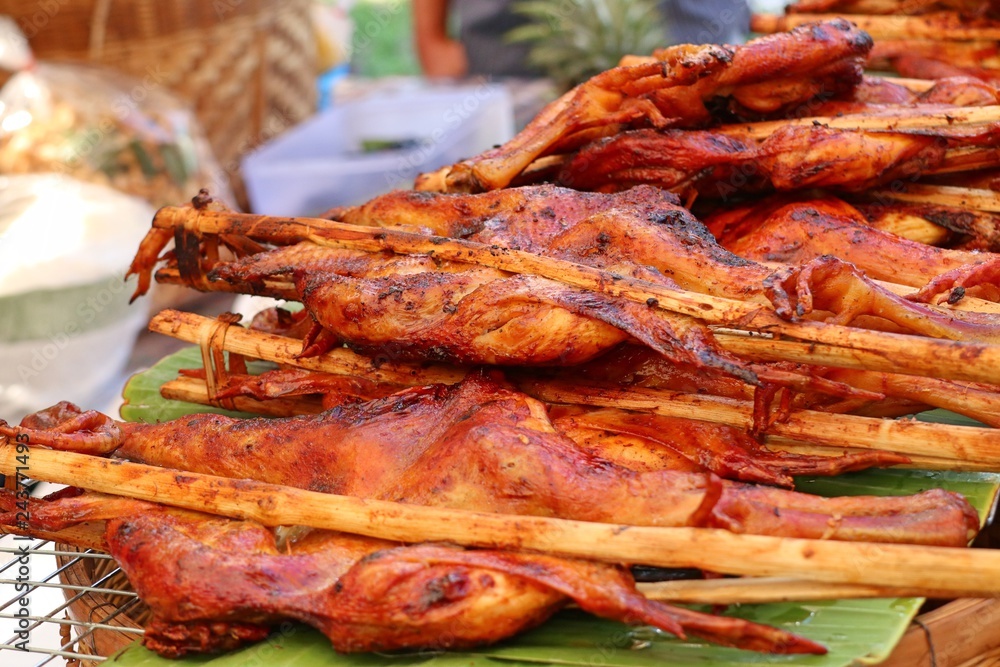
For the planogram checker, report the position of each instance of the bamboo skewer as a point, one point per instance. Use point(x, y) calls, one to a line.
point(742, 590)
point(917, 462)
point(191, 328)
point(952, 360)
point(914, 119)
point(957, 571)
point(915, 85)
point(944, 195)
point(964, 443)
point(757, 590)
point(939, 26)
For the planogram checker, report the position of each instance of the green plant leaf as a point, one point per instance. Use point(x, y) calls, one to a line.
point(143, 402)
point(857, 632)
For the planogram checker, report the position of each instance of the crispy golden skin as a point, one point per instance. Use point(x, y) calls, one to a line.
point(642, 233)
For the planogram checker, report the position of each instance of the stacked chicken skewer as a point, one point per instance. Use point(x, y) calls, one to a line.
point(638, 317)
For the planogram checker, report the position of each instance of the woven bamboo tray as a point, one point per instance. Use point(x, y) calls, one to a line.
point(247, 66)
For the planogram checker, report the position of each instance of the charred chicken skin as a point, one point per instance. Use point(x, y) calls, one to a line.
point(229, 582)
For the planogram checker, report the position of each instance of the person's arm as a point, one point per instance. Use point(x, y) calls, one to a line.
point(440, 55)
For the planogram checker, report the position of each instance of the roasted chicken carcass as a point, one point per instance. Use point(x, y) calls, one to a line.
point(481, 446)
point(648, 440)
point(213, 584)
point(411, 306)
point(421, 307)
point(725, 162)
point(642, 228)
point(674, 88)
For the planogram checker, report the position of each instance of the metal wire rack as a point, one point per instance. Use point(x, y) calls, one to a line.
point(32, 579)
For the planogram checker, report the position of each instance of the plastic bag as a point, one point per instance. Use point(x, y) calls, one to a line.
point(86, 155)
point(66, 328)
point(106, 128)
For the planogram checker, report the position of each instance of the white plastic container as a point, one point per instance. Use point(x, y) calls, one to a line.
point(321, 163)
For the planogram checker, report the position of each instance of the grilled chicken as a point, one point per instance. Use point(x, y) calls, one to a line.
point(419, 307)
point(722, 163)
point(227, 583)
point(789, 231)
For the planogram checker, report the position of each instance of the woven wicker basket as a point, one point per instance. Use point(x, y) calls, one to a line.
point(247, 66)
point(98, 607)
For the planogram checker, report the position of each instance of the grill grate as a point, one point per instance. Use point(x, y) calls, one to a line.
point(44, 645)
point(41, 589)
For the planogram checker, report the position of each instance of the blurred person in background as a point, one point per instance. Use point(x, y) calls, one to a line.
point(481, 47)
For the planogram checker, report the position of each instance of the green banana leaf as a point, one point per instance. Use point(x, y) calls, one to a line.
point(143, 402)
point(856, 632)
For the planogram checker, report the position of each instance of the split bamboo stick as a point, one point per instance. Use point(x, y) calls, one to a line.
point(943, 195)
point(915, 118)
point(913, 228)
point(917, 462)
point(191, 328)
point(938, 26)
point(951, 360)
point(956, 571)
point(964, 443)
point(757, 590)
